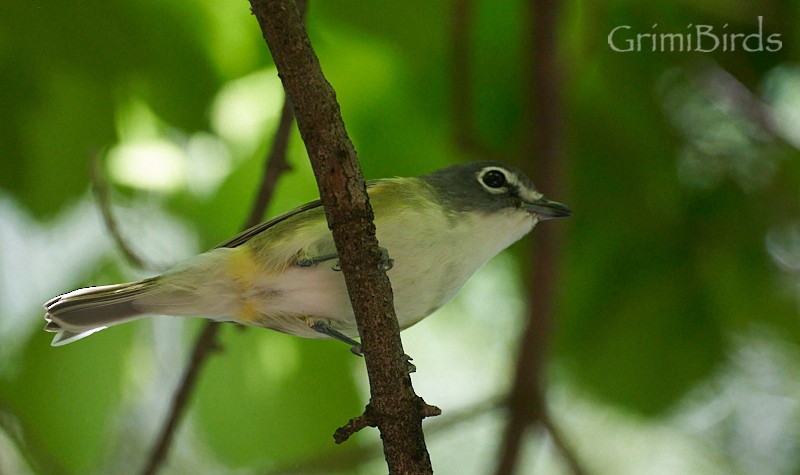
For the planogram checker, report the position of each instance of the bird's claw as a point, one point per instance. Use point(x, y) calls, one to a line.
point(411, 367)
point(386, 262)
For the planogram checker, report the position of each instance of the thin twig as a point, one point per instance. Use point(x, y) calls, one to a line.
point(29, 447)
point(369, 419)
point(462, 96)
point(354, 456)
point(545, 123)
point(566, 452)
point(206, 343)
point(101, 196)
point(463, 111)
point(354, 425)
point(525, 402)
point(275, 165)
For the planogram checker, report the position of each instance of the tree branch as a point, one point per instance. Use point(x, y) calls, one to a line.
point(545, 120)
point(394, 407)
point(275, 166)
point(349, 460)
point(100, 191)
point(465, 133)
point(204, 345)
point(206, 342)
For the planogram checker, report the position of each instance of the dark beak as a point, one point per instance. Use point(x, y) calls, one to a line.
point(547, 209)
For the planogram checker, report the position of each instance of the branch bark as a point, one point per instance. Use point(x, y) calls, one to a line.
point(394, 407)
point(545, 120)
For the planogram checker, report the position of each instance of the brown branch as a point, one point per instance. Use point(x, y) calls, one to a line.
point(28, 446)
point(354, 425)
point(463, 101)
point(561, 445)
point(369, 419)
point(206, 342)
point(276, 165)
point(526, 401)
point(463, 13)
point(395, 408)
point(349, 460)
point(101, 196)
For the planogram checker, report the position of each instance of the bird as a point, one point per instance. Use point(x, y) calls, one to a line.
point(435, 231)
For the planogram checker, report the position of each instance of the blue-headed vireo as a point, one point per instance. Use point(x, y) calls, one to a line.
point(437, 230)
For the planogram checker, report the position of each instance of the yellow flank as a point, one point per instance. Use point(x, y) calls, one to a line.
point(242, 267)
point(306, 235)
point(243, 270)
point(249, 313)
point(378, 188)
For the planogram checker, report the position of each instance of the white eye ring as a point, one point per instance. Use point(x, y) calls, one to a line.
point(495, 180)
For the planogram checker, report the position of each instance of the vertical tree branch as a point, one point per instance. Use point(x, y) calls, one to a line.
point(463, 13)
point(206, 342)
point(465, 131)
point(526, 403)
point(394, 407)
point(204, 345)
point(275, 165)
point(101, 196)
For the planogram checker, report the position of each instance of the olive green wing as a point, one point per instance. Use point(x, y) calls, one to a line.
point(248, 234)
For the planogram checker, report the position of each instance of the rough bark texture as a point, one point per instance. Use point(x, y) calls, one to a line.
point(394, 407)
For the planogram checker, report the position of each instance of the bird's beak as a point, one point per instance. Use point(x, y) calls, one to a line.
point(547, 209)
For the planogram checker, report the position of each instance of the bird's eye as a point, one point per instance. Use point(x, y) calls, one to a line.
point(494, 179)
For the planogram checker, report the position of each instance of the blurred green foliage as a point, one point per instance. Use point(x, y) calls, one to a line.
point(679, 185)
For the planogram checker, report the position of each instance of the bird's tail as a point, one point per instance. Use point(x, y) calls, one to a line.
point(80, 313)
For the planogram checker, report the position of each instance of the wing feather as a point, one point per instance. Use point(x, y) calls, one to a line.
point(248, 234)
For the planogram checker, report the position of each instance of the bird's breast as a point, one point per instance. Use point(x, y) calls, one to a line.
point(434, 257)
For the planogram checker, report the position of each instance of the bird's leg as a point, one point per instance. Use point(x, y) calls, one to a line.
point(312, 261)
point(386, 262)
point(411, 367)
point(355, 347)
point(325, 329)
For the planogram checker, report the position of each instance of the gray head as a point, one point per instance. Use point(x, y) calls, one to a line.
point(491, 186)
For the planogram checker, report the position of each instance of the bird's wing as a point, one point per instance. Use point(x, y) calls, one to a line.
point(248, 234)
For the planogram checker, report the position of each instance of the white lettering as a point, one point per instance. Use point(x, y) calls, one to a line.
point(697, 38)
point(759, 37)
point(774, 39)
point(704, 31)
point(628, 41)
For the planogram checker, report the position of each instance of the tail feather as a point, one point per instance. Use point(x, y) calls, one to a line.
point(80, 313)
point(200, 287)
point(65, 336)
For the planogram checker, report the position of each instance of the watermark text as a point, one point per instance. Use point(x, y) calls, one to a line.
point(696, 38)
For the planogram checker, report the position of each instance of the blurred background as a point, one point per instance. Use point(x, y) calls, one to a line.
point(672, 342)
